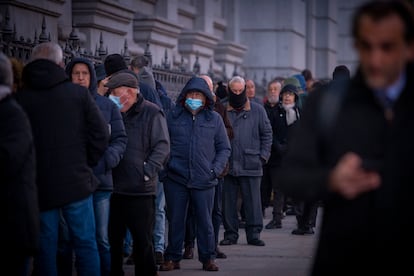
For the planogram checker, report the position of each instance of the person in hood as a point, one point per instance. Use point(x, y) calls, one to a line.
point(70, 137)
point(199, 152)
point(81, 71)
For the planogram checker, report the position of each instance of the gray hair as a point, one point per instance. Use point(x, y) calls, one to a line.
point(237, 79)
point(6, 71)
point(48, 50)
point(139, 62)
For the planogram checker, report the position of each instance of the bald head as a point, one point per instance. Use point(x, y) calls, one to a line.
point(208, 80)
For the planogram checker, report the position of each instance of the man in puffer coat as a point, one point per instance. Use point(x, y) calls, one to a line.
point(200, 150)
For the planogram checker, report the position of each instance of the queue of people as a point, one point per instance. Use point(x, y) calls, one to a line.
point(81, 174)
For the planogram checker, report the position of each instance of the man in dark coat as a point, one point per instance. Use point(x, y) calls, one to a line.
point(18, 201)
point(136, 176)
point(362, 168)
point(70, 136)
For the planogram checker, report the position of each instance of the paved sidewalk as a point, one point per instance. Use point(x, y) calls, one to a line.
point(284, 255)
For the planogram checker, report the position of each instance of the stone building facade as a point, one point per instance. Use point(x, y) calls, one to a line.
point(258, 39)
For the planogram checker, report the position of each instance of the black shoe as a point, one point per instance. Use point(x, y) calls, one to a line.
point(219, 254)
point(256, 242)
point(303, 231)
point(227, 242)
point(159, 258)
point(273, 224)
point(130, 260)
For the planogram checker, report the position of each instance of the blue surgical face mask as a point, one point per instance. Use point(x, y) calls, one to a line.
point(117, 101)
point(194, 104)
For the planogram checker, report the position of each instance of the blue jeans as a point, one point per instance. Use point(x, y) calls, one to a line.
point(80, 220)
point(128, 243)
point(159, 227)
point(101, 204)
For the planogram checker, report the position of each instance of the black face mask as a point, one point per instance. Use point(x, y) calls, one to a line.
point(237, 101)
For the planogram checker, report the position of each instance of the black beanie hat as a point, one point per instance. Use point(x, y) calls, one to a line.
point(100, 72)
point(221, 90)
point(114, 63)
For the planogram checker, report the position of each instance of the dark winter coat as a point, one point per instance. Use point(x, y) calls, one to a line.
point(19, 203)
point(118, 138)
point(147, 149)
point(69, 132)
point(200, 147)
point(280, 130)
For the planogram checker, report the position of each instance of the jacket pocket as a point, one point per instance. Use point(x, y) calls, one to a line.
point(251, 159)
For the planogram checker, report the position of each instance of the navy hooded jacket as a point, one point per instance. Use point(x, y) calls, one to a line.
point(200, 147)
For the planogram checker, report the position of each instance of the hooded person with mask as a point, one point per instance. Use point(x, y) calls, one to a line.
point(200, 150)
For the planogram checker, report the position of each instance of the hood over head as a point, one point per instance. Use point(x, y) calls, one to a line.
point(197, 84)
point(93, 86)
point(289, 88)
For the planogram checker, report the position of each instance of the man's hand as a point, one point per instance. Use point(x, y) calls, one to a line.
point(349, 179)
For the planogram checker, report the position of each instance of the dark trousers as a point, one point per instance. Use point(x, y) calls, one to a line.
point(190, 231)
point(179, 200)
point(278, 196)
point(306, 213)
point(137, 213)
point(266, 187)
point(252, 205)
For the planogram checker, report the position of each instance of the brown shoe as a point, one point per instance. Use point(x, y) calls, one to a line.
point(169, 265)
point(188, 253)
point(210, 265)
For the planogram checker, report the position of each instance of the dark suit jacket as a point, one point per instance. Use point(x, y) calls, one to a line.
point(360, 236)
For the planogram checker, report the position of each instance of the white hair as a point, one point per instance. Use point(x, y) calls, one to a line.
point(237, 79)
point(48, 50)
